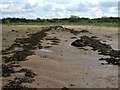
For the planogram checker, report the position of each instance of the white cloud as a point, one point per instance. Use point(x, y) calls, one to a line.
point(53, 8)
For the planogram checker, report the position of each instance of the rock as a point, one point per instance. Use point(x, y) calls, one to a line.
point(30, 73)
point(7, 70)
point(16, 84)
point(23, 70)
point(65, 88)
point(84, 31)
point(13, 30)
point(94, 37)
point(73, 37)
point(72, 85)
point(77, 43)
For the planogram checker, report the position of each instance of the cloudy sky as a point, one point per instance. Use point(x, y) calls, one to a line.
point(58, 8)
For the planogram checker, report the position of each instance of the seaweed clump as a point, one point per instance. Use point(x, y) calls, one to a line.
point(25, 47)
point(16, 84)
point(102, 48)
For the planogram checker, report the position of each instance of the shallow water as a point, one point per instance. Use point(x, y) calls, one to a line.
point(46, 50)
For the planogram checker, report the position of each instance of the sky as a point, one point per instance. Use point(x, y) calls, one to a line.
point(33, 9)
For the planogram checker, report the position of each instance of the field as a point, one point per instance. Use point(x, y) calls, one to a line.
point(56, 63)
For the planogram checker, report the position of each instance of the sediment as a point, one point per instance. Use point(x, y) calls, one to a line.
point(102, 48)
point(19, 51)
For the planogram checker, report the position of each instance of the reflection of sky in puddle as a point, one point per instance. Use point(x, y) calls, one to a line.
point(46, 50)
point(94, 56)
point(96, 65)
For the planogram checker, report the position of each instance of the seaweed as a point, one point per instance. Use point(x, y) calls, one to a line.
point(7, 70)
point(102, 48)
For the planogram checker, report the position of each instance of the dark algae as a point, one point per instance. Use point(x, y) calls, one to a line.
point(25, 47)
point(19, 51)
point(102, 48)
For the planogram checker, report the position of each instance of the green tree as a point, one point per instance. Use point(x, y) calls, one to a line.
point(73, 18)
point(7, 22)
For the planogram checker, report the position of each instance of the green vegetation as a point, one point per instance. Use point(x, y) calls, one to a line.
point(104, 21)
point(7, 22)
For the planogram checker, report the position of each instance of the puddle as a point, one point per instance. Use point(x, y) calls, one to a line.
point(99, 63)
point(96, 65)
point(46, 50)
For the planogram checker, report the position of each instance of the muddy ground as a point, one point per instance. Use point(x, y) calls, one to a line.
point(58, 64)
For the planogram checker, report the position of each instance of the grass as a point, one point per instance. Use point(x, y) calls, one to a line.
point(112, 24)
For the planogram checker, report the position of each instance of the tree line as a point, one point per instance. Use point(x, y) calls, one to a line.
point(70, 19)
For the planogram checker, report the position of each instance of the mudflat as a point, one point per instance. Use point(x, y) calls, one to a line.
point(58, 64)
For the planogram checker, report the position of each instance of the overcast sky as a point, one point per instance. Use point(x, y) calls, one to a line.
point(58, 8)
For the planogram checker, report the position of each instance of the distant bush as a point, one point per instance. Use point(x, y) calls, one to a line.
point(7, 22)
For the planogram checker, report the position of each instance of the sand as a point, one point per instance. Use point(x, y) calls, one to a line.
point(68, 66)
